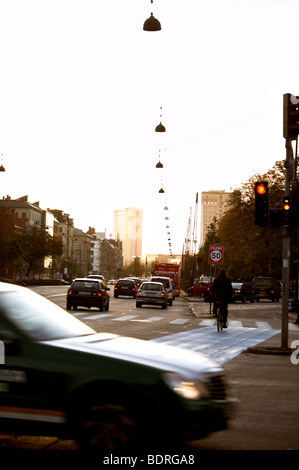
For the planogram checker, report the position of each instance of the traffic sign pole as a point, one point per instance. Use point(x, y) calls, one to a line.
point(286, 257)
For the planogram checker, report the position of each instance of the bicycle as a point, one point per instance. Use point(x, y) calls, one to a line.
point(219, 316)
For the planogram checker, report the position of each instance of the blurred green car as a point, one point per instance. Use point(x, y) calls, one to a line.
point(61, 378)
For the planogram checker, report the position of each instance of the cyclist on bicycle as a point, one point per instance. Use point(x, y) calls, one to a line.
point(222, 291)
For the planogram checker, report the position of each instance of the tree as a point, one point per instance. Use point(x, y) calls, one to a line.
point(34, 245)
point(249, 249)
point(212, 238)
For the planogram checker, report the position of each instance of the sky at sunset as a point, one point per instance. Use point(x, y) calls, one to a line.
point(82, 88)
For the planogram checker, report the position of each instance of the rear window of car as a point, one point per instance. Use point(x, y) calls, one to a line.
point(125, 284)
point(156, 287)
point(165, 282)
point(86, 285)
point(262, 282)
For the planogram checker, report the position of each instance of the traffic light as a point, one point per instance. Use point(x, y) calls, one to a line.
point(287, 211)
point(290, 116)
point(261, 203)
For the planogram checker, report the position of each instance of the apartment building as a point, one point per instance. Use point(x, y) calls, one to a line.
point(127, 227)
point(18, 216)
point(213, 204)
point(64, 227)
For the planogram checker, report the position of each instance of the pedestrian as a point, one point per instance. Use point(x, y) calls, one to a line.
point(221, 290)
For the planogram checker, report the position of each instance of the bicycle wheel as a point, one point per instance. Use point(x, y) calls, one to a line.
point(219, 319)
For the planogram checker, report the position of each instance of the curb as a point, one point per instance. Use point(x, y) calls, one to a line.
point(270, 350)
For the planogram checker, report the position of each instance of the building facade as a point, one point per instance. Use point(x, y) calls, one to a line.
point(127, 227)
point(213, 204)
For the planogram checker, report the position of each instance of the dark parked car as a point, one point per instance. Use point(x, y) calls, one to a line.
point(242, 292)
point(125, 287)
point(88, 293)
point(111, 393)
point(265, 288)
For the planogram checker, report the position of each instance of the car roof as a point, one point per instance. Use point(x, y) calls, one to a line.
point(161, 277)
point(87, 279)
point(152, 282)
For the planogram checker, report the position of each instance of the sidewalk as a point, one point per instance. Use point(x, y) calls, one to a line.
point(265, 379)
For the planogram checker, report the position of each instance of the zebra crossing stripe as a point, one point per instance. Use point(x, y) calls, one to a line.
point(235, 323)
point(262, 324)
point(99, 316)
point(178, 321)
point(148, 320)
point(125, 318)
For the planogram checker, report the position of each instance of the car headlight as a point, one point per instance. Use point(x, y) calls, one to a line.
point(191, 390)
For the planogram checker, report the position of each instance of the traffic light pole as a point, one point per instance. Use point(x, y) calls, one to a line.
point(286, 257)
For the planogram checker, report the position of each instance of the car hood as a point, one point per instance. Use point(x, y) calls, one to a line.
point(188, 363)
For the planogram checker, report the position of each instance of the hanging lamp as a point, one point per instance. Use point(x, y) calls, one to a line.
point(160, 127)
point(152, 24)
point(2, 167)
point(159, 164)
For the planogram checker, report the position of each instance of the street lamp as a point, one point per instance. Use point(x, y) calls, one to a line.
point(160, 127)
point(1, 166)
point(152, 24)
point(159, 164)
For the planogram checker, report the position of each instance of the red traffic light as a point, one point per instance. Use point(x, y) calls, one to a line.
point(261, 203)
point(261, 188)
point(286, 204)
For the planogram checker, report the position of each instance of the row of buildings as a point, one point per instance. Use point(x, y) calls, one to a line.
point(82, 252)
point(91, 251)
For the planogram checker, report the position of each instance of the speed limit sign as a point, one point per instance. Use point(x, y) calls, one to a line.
point(216, 254)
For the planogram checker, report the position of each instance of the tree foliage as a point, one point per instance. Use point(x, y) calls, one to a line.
point(249, 250)
point(34, 245)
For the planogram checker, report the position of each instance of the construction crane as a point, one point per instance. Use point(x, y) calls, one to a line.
point(188, 241)
point(194, 235)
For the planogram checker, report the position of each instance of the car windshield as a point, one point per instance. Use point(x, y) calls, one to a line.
point(39, 318)
point(237, 285)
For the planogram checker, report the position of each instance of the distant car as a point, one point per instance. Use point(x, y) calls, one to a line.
point(97, 276)
point(110, 393)
point(168, 285)
point(265, 288)
point(87, 292)
point(242, 292)
point(201, 289)
point(137, 280)
point(125, 287)
point(152, 293)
